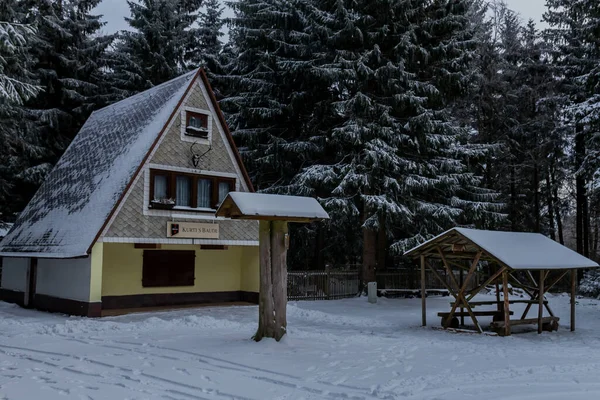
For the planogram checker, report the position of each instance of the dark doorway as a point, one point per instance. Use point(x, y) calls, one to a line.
point(32, 282)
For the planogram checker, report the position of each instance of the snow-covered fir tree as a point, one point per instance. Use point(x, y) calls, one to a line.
point(209, 34)
point(155, 49)
point(574, 32)
point(69, 57)
point(16, 87)
point(356, 96)
point(275, 99)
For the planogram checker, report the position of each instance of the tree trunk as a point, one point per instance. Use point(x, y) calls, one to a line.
point(586, 224)
point(272, 322)
point(320, 245)
point(579, 187)
point(513, 200)
point(369, 256)
point(381, 247)
point(536, 198)
point(559, 226)
point(550, 202)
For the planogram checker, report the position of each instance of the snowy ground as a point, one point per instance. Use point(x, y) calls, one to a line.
point(345, 349)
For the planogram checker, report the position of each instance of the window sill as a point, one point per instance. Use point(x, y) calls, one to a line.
point(187, 209)
point(168, 286)
point(196, 209)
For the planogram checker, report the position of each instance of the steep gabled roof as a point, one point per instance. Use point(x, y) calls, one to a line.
point(516, 250)
point(66, 214)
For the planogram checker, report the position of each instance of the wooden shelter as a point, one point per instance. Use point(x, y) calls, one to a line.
point(528, 261)
point(274, 212)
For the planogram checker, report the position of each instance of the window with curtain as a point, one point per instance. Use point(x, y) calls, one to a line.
point(224, 188)
point(189, 190)
point(204, 193)
point(183, 195)
point(160, 187)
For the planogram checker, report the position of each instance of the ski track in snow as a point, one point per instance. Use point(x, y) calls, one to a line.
point(345, 349)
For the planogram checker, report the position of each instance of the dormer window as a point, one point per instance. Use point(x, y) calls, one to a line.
point(196, 124)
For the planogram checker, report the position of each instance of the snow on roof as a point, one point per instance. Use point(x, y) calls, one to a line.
point(271, 206)
point(520, 250)
point(65, 215)
point(4, 228)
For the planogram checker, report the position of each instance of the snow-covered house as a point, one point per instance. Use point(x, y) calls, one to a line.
point(126, 219)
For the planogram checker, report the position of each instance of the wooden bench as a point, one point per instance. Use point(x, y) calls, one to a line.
point(475, 313)
point(549, 324)
point(454, 322)
point(474, 304)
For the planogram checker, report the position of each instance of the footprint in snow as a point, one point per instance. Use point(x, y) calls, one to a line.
point(182, 371)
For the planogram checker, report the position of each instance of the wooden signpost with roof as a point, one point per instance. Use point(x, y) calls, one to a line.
point(273, 213)
point(512, 259)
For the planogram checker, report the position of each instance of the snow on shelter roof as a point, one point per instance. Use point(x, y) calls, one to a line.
point(518, 250)
point(71, 206)
point(244, 205)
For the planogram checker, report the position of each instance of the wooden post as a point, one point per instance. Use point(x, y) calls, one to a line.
point(462, 309)
point(279, 240)
point(498, 303)
point(573, 292)
point(327, 282)
point(423, 294)
point(272, 322)
point(506, 304)
point(541, 301)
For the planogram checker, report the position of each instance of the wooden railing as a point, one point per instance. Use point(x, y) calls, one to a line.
point(337, 284)
point(323, 285)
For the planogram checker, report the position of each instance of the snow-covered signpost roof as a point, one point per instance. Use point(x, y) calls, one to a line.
point(510, 258)
point(274, 212)
point(260, 206)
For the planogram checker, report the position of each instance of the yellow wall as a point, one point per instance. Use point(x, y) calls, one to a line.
point(96, 272)
point(250, 269)
point(216, 270)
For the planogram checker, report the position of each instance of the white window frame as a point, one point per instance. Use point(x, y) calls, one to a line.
point(178, 211)
point(193, 139)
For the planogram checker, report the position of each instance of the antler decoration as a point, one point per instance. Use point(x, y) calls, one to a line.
point(195, 156)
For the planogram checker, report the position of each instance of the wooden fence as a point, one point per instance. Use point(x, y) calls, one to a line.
point(338, 284)
point(322, 285)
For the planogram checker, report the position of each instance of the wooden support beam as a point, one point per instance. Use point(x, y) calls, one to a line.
point(541, 301)
point(423, 294)
point(573, 292)
point(498, 304)
point(462, 309)
point(460, 296)
point(549, 286)
point(506, 310)
point(489, 280)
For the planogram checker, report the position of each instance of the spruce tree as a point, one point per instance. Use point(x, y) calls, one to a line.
point(575, 35)
point(155, 50)
point(208, 36)
point(279, 92)
point(402, 158)
point(69, 59)
point(16, 87)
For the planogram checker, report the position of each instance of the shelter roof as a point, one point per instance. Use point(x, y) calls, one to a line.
point(516, 250)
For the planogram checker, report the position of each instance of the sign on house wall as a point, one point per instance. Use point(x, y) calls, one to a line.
point(192, 230)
